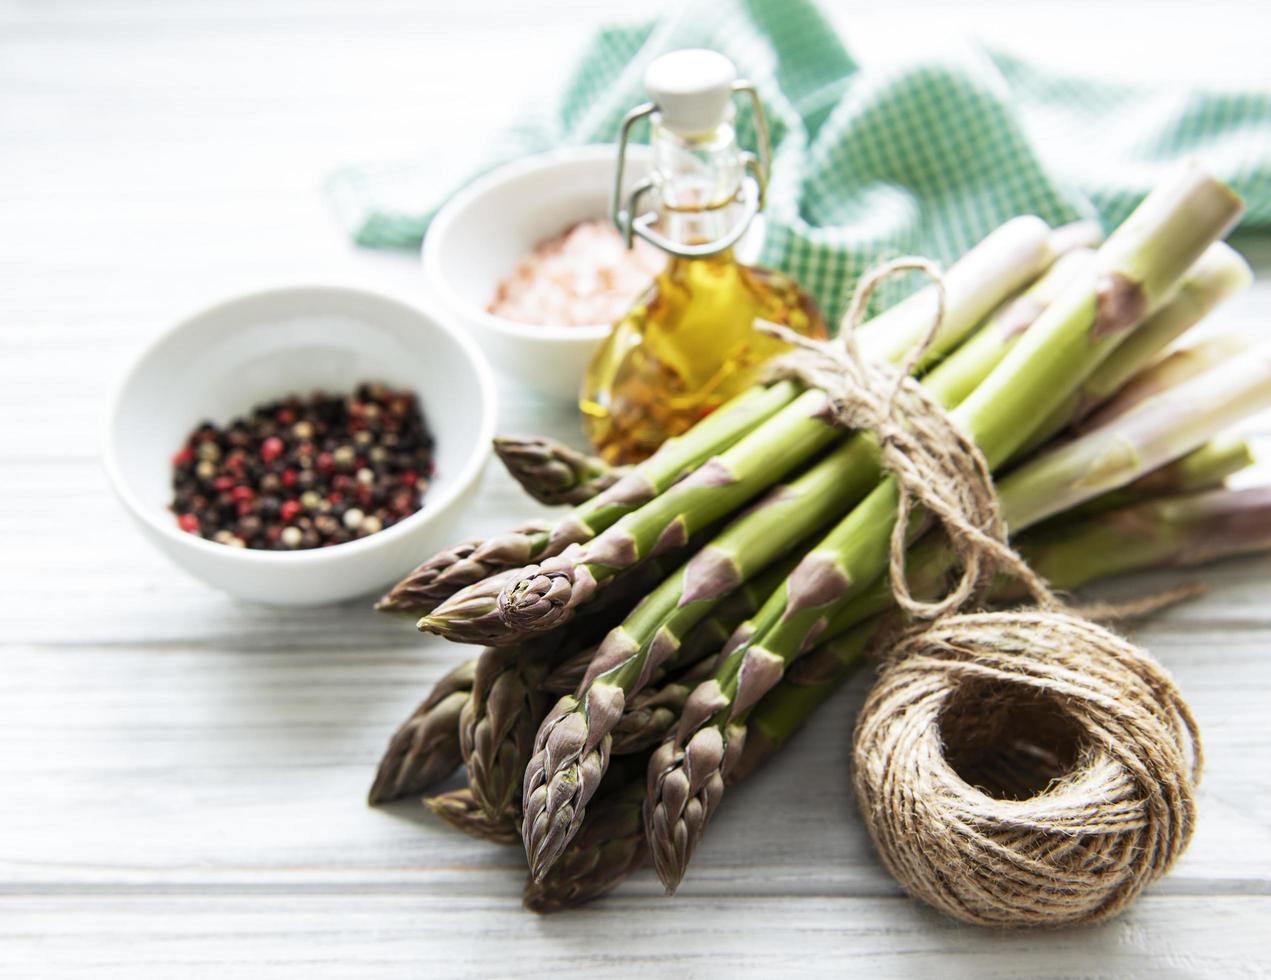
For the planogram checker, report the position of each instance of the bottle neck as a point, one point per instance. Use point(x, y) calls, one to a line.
point(697, 181)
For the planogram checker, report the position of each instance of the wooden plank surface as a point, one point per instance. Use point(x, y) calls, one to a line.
point(183, 774)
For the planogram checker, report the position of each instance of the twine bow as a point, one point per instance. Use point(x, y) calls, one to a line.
point(934, 464)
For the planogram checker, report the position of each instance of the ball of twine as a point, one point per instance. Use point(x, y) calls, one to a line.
point(1025, 769)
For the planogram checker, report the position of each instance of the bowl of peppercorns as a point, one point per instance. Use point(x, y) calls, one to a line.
point(301, 446)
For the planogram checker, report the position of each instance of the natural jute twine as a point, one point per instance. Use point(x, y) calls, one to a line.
point(1019, 768)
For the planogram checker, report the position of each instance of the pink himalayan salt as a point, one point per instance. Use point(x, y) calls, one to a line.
point(585, 275)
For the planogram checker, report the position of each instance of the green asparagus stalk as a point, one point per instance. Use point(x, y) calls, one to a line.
point(1138, 268)
point(553, 473)
point(425, 749)
point(1158, 430)
point(1165, 429)
point(546, 594)
point(469, 563)
point(1177, 367)
point(576, 734)
point(460, 809)
point(1204, 468)
point(1192, 529)
point(1217, 275)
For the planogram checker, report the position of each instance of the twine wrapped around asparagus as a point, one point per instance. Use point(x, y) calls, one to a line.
point(1136, 272)
point(929, 459)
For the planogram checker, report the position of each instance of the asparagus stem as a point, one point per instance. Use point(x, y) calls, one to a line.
point(1217, 275)
point(473, 615)
point(1161, 428)
point(1170, 371)
point(465, 564)
point(425, 749)
point(576, 737)
point(1204, 468)
point(1002, 264)
point(1137, 268)
point(460, 809)
point(1166, 428)
point(1186, 530)
point(553, 473)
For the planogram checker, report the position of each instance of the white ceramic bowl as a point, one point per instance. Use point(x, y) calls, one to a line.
point(227, 359)
point(479, 236)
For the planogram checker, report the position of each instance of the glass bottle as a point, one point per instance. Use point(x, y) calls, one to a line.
point(689, 343)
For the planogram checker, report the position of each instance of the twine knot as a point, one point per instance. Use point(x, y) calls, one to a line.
point(921, 447)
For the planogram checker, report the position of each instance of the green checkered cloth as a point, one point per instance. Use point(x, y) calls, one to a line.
point(924, 158)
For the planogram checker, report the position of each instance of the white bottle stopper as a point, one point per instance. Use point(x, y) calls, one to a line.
point(692, 89)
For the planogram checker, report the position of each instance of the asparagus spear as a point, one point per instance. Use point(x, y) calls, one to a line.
point(1138, 267)
point(1177, 367)
point(575, 737)
point(546, 594)
point(1204, 468)
point(1217, 275)
point(1078, 472)
point(609, 846)
point(553, 473)
point(497, 725)
point(425, 749)
point(460, 809)
point(1160, 429)
point(469, 563)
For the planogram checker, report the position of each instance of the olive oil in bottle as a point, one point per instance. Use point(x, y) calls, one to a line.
point(690, 342)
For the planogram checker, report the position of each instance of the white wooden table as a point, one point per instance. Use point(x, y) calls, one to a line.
point(182, 776)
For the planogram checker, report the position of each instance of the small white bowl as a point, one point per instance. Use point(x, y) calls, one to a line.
point(482, 233)
point(224, 361)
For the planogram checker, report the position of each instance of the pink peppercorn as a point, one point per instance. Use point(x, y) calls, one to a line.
point(188, 523)
point(271, 449)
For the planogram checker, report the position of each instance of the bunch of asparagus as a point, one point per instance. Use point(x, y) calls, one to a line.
point(689, 613)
